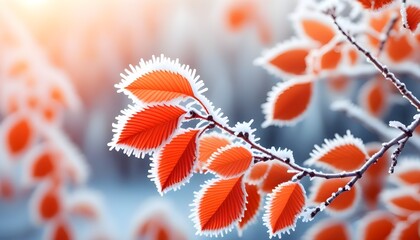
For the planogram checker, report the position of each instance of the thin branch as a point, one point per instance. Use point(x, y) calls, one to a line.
point(403, 12)
point(371, 123)
point(396, 153)
point(385, 36)
point(382, 68)
point(373, 159)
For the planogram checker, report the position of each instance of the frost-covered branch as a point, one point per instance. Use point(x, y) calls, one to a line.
point(386, 34)
point(381, 68)
point(401, 138)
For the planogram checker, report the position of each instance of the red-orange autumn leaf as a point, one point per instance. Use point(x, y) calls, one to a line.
point(173, 164)
point(207, 145)
point(399, 48)
point(19, 134)
point(146, 129)
point(258, 172)
point(230, 161)
point(317, 28)
point(402, 202)
point(283, 207)
point(60, 230)
point(376, 225)
point(218, 206)
point(277, 174)
point(413, 17)
point(407, 173)
point(374, 4)
point(407, 230)
point(371, 189)
point(286, 59)
point(322, 189)
point(239, 13)
point(374, 97)
point(43, 165)
point(380, 168)
point(329, 229)
point(345, 153)
point(160, 80)
point(253, 203)
point(46, 203)
point(7, 189)
point(287, 102)
point(330, 59)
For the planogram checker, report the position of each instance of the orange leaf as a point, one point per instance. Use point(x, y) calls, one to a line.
point(317, 28)
point(207, 145)
point(322, 189)
point(283, 207)
point(60, 230)
point(407, 229)
point(276, 175)
point(371, 189)
point(19, 134)
point(413, 17)
point(374, 97)
point(380, 168)
point(345, 153)
point(218, 206)
point(286, 59)
point(258, 172)
point(85, 204)
point(230, 161)
point(7, 189)
point(376, 225)
point(287, 102)
point(408, 172)
point(374, 4)
point(401, 201)
point(338, 83)
point(160, 80)
point(238, 14)
point(330, 59)
point(253, 203)
point(140, 131)
point(329, 229)
point(42, 165)
point(399, 48)
point(173, 165)
point(46, 203)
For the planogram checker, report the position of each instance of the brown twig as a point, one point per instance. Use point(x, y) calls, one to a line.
point(403, 12)
point(384, 38)
point(382, 68)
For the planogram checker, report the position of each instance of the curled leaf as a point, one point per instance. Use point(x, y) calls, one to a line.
point(283, 207)
point(140, 131)
point(287, 102)
point(218, 206)
point(230, 161)
point(173, 165)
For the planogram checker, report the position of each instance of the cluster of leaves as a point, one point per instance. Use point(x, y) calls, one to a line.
point(35, 152)
point(173, 121)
